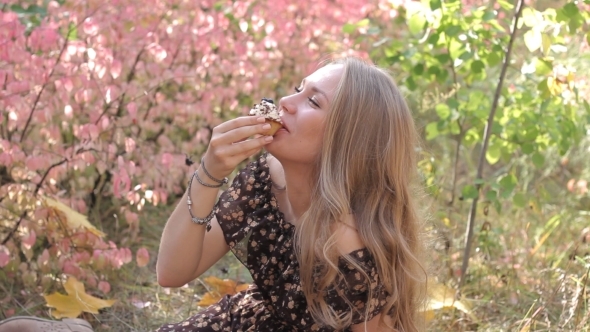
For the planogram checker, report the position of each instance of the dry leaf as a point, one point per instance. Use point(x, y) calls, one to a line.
point(442, 297)
point(73, 218)
point(77, 301)
point(220, 288)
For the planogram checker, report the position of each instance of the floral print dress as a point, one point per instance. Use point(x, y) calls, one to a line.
point(262, 240)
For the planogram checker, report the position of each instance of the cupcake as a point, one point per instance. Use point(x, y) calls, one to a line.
point(270, 112)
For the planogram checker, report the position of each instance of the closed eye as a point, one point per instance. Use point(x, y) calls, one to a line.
point(315, 103)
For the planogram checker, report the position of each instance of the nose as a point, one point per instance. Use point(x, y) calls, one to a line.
point(286, 104)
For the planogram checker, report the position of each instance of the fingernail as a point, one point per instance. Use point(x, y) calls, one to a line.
point(266, 126)
point(268, 138)
point(261, 119)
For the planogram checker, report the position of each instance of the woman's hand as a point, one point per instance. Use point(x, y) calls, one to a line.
point(230, 144)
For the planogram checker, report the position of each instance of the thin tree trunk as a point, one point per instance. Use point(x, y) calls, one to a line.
point(486, 140)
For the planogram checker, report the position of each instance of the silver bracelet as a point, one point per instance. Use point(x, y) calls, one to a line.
point(224, 181)
point(199, 221)
point(195, 175)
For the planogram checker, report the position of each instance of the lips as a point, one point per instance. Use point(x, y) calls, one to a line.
point(285, 126)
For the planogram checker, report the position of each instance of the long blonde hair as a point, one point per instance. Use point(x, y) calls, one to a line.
point(366, 167)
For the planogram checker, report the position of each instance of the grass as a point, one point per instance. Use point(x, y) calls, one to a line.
point(509, 286)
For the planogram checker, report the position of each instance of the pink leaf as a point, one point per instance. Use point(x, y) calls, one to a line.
point(167, 159)
point(116, 69)
point(29, 240)
point(90, 27)
point(104, 287)
point(36, 162)
point(43, 259)
point(142, 257)
point(129, 144)
point(4, 256)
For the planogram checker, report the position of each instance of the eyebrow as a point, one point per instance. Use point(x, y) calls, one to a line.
point(315, 89)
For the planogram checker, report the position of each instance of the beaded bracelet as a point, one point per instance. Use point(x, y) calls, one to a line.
point(199, 221)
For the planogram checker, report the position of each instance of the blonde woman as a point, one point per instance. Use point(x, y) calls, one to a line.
point(324, 221)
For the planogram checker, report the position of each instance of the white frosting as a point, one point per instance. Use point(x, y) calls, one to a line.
point(268, 110)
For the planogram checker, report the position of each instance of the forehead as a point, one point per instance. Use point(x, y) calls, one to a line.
point(326, 78)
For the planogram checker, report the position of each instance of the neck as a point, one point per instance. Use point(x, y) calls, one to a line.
point(299, 185)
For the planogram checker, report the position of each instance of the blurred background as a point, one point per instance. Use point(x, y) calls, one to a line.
point(103, 101)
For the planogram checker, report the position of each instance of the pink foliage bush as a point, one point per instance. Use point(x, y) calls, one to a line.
point(102, 101)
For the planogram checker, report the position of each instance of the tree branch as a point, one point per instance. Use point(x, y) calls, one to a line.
point(486, 140)
point(37, 187)
point(36, 102)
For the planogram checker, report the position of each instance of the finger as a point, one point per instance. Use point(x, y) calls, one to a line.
point(239, 122)
point(245, 147)
point(242, 133)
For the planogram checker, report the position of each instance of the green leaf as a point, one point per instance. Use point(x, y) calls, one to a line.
point(571, 10)
point(477, 66)
point(538, 159)
point(432, 131)
point(455, 48)
point(418, 69)
point(443, 58)
point(72, 32)
point(588, 38)
point(527, 148)
point(508, 183)
point(443, 111)
point(435, 4)
point(454, 128)
point(505, 4)
point(416, 23)
point(469, 192)
point(545, 43)
point(433, 39)
point(348, 28)
point(491, 195)
point(519, 200)
point(533, 40)
point(543, 67)
point(530, 17)
point(411, 84)
point(494, 58)
point(489, 15)
point(363, 23)
point(494, 152)
point(453, 30)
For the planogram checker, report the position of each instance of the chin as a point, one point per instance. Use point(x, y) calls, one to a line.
point(288, 155)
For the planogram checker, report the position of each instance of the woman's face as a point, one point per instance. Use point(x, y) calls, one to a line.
point(304, 114)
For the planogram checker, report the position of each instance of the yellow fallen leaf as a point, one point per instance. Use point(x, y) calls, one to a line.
point(74, 218)
point(441, 297)
point(77, 301)
point(209, 299)
point(220, 288)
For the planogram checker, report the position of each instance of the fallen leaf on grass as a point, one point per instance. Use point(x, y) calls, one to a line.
point(441, 297)
point(77, 301)
point(73, 218)
point(220, 288)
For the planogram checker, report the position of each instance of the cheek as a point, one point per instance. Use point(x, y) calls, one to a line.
point(314, 134)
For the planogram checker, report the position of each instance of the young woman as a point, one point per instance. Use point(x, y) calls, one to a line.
point(324, 221)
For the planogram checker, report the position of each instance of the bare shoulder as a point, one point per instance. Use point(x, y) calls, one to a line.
point(275, 168)
point(347, 236)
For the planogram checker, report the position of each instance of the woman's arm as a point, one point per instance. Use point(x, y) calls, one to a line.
point(186, 249)
point(181, 257)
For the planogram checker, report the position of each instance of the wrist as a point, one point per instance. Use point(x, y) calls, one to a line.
point(221, 180)
point(204, 180)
